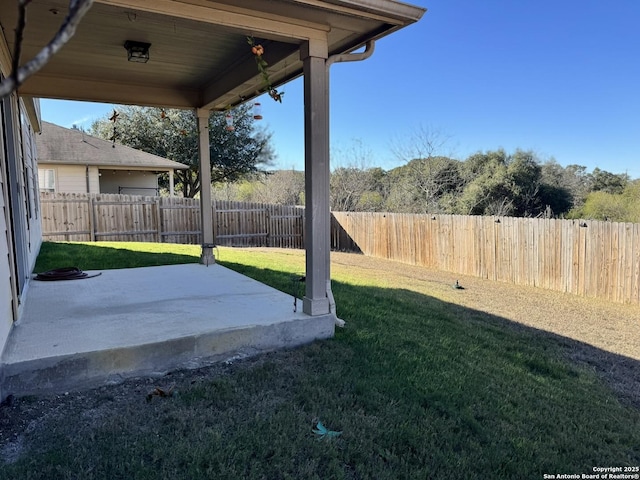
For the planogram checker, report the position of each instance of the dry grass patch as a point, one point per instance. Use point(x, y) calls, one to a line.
point(610, 326)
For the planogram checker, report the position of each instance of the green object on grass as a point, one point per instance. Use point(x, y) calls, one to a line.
point(324, 432)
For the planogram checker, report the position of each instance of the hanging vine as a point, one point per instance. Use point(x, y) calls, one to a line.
point(258, 52)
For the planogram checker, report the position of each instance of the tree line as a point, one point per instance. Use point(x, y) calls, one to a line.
point(485, 183)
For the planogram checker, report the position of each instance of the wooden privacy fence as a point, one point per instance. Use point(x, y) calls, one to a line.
point(589, 258)
point(101, 217)
point(258, 224)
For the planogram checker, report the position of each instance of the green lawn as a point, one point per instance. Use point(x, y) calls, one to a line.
point(110, 255)
point(420, 388)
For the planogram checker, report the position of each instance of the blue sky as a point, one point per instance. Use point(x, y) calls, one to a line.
point(559, 77)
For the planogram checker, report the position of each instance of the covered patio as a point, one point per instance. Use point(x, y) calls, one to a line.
point(146, 322)
point(199, 58)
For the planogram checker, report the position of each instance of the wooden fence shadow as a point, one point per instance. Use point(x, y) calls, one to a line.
point(341, 241)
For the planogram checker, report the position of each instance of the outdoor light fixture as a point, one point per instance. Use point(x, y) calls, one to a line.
point(137, 51)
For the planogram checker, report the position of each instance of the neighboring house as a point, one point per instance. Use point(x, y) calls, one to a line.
point(72, 161)
point(190, 54)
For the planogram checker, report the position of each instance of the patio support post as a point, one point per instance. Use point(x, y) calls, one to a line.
point(171, 186)
point(206, 209)
point(316, 144)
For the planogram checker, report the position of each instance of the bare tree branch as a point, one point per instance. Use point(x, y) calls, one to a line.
point(431, 172)
point(423, 143)
point(77, 9)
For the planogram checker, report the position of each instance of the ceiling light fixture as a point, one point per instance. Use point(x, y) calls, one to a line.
point(137, 51)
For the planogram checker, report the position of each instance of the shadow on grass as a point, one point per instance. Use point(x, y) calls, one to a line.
point(393, 312)
point(420, 388)
point(98, 257)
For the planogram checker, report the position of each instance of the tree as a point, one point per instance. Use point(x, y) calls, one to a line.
point(282, 187)
point(631, 197)
point(576, 179)
point(173, 134)
point(485, 191)
point(603, 181)
point(557, 200)
point(523, 177)
point(429, 180)
point(428, 185)
point(348, 185)
point(353, 184)
point(502, 184)
point(601, 205)
point(615, 207)
point(19, 73)
point(562, 187)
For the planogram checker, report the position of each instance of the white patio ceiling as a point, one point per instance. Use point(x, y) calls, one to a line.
point(199, 56)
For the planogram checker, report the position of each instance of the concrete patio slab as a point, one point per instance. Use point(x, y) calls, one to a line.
point(146, 321)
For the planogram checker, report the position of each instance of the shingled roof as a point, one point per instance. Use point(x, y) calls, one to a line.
point(69, 146)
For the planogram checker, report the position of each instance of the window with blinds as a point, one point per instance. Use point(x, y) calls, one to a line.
point(47, 180)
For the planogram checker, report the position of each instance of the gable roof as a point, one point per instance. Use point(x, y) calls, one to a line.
point(69, 146)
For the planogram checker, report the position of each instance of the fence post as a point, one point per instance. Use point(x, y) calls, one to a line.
point(158, 220)
point(214, 220)
point(92, 222)
point(268, 225)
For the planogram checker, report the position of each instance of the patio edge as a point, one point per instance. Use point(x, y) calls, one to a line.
point(87, 370)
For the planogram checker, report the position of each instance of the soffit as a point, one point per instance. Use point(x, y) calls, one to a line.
point(199, 56)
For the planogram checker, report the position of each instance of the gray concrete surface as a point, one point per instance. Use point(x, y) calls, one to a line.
point(146, 321)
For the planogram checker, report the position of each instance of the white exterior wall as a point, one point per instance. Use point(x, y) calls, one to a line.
point(73, 178)
point(70, 179)
point(19, 139)
point(31, 187)
point(6, 297)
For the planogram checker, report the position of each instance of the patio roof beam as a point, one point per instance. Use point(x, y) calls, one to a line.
point(383, 10)
point(215, 96)
point(249, 21)
point(65, 88)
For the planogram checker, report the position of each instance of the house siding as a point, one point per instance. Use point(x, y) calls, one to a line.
point(69, 178)
point(19, 209)
point(73, 179)
point(6, 296)
point(32, 193)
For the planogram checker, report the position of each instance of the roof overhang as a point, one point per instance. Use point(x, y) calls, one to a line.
point(109, 166)
point(199, 56)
